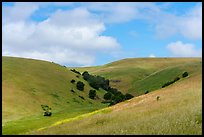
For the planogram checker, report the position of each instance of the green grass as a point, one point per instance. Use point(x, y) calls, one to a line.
point(140, 74)
point(27, 84)
point(27, 124)
point(179, 111)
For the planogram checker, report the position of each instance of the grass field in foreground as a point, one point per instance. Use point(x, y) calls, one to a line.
point(178, 111)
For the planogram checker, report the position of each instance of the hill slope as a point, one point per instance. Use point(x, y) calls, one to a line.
point(137, 75)
point(178, 111)
point(27, 84)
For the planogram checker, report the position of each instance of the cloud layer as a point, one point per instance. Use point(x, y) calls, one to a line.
point(67, 37)
point(74, 34)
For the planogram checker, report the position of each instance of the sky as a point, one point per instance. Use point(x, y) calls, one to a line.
point(96, 33)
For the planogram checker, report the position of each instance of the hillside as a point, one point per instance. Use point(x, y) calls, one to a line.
point(178, 111)
point(137, 75)
point(27, 84)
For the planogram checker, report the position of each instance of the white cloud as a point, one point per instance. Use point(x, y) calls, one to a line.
point(66, 37)
point(152, 56)
point(191, 25)
point(180, 49)
point(19, 12)
point(119, 12)
point(165, 23)
point(188, 25)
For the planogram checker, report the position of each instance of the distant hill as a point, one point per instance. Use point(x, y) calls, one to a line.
point(137, 75)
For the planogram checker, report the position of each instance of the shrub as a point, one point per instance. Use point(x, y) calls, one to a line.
point(73, 70)
point(112, 90)
point(80, 85)
point(158, 98)
point(128, 96)
point(72, 90)
point(168, 83)
point(72, 81)
point(176, 79)
point(119, 98)
point(47, 110)
point(185, 74)
point(81, 97)
point(147, 91)
point(92, 94)
point(107, 96)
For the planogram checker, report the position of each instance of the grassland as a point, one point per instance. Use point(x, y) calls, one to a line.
point(28, 83)
point(137, 75)
point(178, 111)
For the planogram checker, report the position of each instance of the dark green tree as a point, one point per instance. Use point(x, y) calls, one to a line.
point(92, 94)
point(185, 74)
point(107, 96)
point(80, 85)
point(128, 96)
point(72, 81)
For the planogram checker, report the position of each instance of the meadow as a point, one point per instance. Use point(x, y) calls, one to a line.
point(28, 83)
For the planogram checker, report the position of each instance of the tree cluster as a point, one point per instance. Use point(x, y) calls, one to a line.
point(113, 96)
point(96, 81)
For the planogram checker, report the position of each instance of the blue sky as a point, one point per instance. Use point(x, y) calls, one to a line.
point(86, 34)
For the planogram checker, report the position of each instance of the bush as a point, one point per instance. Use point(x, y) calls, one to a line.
point(176, 79)
point(147, 91)
point(128, 96)
point(112, 90)
point(167, 84)
point(185, 74)
point(80, 85)
point(81, 97)
point(92, 94)
point(47, 110)
point(77, 72)
point(72, 90)
point(72, 81)
point(107, 96)
point(119, 98)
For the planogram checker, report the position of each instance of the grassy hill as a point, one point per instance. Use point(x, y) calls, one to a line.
point(27, 84)
point(178, 111)
point(137, 75)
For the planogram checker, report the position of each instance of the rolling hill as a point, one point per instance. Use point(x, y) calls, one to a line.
point(28, 83)
point(137, 75)
point(178, 111)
